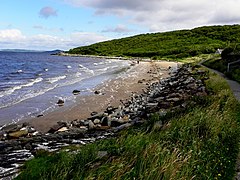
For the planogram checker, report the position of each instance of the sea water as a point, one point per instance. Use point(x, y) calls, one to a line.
point(32, 82)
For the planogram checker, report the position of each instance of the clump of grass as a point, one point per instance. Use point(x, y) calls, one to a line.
point(199, 143)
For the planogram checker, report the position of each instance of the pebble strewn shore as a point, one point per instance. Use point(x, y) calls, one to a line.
point(21, 142)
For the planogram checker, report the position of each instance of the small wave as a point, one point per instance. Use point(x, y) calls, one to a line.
point(80, 66)
point(78, 74)
point(103, 70)
point(46, 69)
point(27, 96)
point(17, 72)
point(13, 89)
point(86, 70)
point(69, 67)
point(55, 79)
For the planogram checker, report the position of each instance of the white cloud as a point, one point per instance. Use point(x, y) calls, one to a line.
point(85, 38)
point(118, 29)
point(13, 38)
point(43, 28)
point(10, 35)
point(161, 15)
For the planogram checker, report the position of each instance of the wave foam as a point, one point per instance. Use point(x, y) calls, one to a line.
point(13, 89)
point(55, 79)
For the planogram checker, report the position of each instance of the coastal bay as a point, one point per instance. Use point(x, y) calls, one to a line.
point(135, 80)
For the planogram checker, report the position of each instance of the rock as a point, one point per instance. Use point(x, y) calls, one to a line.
point(91, 125)
point(104, 121)
point(18, 134)
point(103, 127)
point(115, 123)
point(84, 128)
point(96, 116)
point(60, 102)
point(80, 131)
point(35, 133)
point(40, 115)
point(31, 130)
point(97, 92)
point(63, 129)
point(110, 109)
point(76, 92)
point(55, 128)
point(126, 118)
point(123, 126)
point(94, 113)
point(3, 135)
point(173, 99)
point(64, 123)
point(96, 121)
point(28, 146)
point(150, 105)
point(164, 105)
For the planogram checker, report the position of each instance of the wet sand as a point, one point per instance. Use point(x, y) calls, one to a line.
point(135, 80)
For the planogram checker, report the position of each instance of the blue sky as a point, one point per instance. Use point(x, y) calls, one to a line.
point(64, 24)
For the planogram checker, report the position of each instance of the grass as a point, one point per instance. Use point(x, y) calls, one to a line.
point(198, 143)
point(219, 64)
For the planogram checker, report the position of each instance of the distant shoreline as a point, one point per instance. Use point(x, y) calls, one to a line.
point(105, 57)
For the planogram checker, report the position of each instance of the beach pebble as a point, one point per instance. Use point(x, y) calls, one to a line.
point(97, 92)
point(60, 102)
point(76, 92)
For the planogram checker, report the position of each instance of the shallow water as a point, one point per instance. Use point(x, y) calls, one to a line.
point(32, 83)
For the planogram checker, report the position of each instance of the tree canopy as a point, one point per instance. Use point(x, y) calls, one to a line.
point(174, 44)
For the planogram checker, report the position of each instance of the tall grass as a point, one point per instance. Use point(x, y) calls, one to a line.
point(199, 143)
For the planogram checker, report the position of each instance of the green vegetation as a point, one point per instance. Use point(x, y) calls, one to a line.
point(198, 143)
point(221, 63)
point(171, 45)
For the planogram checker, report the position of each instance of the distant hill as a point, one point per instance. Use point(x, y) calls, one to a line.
point(26, 50)
point(174, 44)
point(19, 50)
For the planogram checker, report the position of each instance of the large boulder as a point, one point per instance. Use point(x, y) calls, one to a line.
point(18, 134)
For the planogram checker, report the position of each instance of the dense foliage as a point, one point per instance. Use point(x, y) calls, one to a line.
point(229, 63)
point(175, 44)
point(199, 143)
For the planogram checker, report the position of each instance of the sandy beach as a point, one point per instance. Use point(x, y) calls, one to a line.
point(112, 92)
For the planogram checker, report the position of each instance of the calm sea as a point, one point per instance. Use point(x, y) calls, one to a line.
point(32, 83)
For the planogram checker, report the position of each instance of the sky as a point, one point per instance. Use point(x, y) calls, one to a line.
point(65, 24)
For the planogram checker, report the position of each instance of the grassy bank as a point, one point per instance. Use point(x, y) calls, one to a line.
point(198, 143)
point(216, 62)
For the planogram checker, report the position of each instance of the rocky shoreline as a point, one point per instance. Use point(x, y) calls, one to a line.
point(20, 142)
